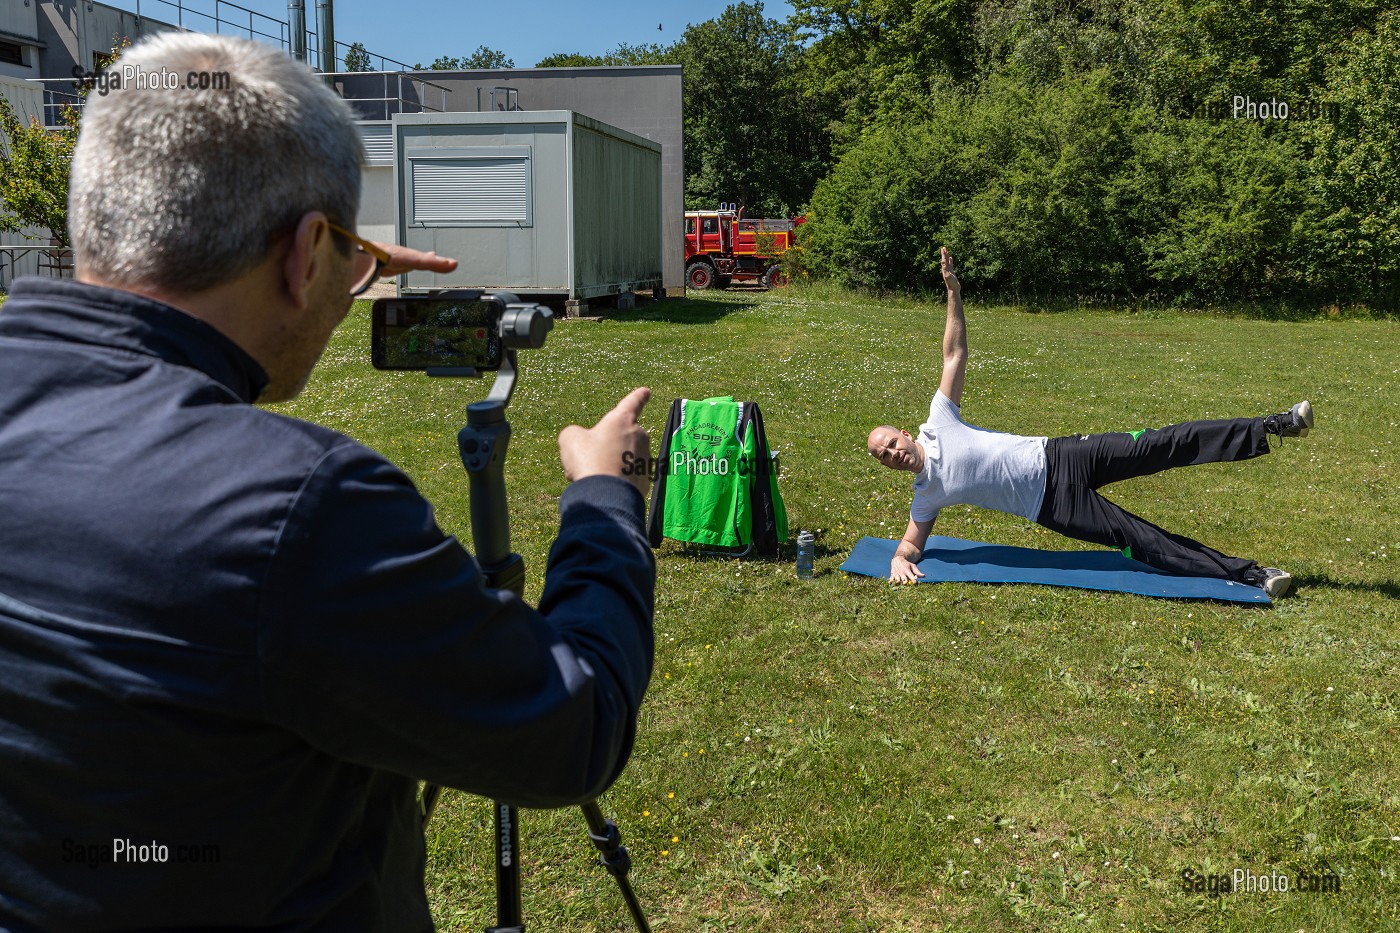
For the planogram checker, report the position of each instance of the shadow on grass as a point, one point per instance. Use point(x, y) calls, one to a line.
point(704, 553)
point(683, 311)
point(1386, 588)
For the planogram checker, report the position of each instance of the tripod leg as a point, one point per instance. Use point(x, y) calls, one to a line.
point(508, 907)
point(614, 857)
point(432, 793)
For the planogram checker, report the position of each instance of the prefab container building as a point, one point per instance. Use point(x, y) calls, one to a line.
point(545, 202)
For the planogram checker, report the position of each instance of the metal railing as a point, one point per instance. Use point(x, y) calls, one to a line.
point(260, 26)
point(409, 94)
point(382, 108)
point(384, 60)
point(252, 31)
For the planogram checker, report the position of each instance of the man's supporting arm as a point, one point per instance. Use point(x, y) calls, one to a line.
point(904, 564)
point(954, 336)
point(381, 644)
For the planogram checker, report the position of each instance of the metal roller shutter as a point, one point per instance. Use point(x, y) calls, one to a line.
point(379, 144)
point(486, 190)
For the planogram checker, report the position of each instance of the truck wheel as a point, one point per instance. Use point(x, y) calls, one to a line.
point(774, 277)
point(700, 275)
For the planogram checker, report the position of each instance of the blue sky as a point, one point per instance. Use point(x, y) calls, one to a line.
point(526, 30)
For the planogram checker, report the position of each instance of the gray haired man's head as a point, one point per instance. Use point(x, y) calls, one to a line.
point(180, 189)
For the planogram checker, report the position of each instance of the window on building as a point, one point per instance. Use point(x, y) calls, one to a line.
point(11, 53)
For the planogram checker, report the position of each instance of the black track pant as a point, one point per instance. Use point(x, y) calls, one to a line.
point(1077, 466)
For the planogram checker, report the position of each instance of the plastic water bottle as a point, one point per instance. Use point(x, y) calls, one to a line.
point(806, 551)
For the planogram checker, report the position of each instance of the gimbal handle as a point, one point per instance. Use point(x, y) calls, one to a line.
point(483, 444)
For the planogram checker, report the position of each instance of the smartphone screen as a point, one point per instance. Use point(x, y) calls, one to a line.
point(433, 332)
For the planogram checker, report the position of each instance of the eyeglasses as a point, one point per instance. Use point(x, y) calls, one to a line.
point(370, 260)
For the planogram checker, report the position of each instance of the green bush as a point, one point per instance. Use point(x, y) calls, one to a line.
point(1046, 220)
point(1214, 208)
point(34, 167)
point(1013, 179)
point(1350, 242)
point(877, 220)
point(1061, 189)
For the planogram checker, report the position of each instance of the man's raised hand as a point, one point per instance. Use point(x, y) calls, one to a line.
point(950, 276)
point(402, 259)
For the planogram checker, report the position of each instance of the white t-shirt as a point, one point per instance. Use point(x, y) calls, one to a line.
point(964, 465)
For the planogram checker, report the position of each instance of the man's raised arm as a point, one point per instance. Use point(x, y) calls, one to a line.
point(954, 336)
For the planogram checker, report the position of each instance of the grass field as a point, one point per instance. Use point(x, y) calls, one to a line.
point(838, 754)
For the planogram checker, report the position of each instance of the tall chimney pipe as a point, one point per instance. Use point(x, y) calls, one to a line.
point(296, 19)
point(325, 29)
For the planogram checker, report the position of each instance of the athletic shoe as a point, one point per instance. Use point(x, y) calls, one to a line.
point(1276, 582)
point(1296, 422)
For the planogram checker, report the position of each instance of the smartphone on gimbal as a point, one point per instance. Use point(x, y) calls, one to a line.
point(453, 329)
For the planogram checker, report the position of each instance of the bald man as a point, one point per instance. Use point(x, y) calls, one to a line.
point(1055, 481)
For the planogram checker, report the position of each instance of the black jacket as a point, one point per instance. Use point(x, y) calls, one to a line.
point(239, 639)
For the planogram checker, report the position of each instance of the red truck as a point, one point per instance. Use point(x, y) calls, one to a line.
point(721, 247)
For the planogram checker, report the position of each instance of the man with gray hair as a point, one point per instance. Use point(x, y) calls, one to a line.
point(232, 642)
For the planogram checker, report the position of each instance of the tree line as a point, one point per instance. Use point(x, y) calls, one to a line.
point(1180, 150)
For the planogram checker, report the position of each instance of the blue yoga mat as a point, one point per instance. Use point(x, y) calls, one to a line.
point(954, 560)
